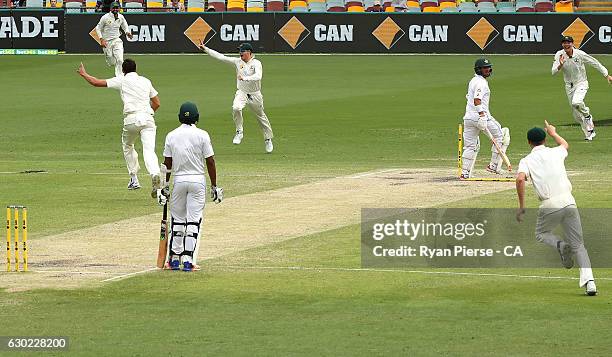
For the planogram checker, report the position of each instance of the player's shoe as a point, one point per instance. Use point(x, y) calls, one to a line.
point(492, 170)
point(591, 135)
point(155, 185)
point(591, 289)
point(269, 146)
point(565, 251)
point(175, 264)
point(238, 137)
point(187, 266)
point(133, 184)
point(464, 177)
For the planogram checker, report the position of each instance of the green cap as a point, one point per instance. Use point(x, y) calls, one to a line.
point(536, 135)
point(115, 4)
point(482, 62)
point(188, 114)
point(567, 39)
point(245, 47)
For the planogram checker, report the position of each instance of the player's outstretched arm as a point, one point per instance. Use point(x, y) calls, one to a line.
point(216, 55)
point(552, 131)
point(596, 64)
point(91, 79)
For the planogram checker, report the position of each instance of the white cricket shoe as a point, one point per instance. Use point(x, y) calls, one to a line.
point(133, 184)
point(492, 170)
point(591, 135)
point(591, 289)
point(238, 137)
point(269, 146)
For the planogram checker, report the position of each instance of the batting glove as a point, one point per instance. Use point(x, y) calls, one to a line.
point(482, 122)
point(216, 193)
point(163, 195)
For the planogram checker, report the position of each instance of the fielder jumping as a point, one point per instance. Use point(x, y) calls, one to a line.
point(477, 118)
point(110, 36)
point(140, 101)
point(186, 150)
point(249, 72)
point(571, 61)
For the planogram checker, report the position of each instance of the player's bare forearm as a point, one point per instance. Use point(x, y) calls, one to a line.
point(520, 189)
point(155, 103)
point(91, 79)
point(168, 164)
point(552, 131)
point(212, 170)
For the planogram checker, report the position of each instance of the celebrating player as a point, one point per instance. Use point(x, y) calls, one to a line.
point(109, 34)
point(571, 61)
point(186, 149)
point(478, 118)
point(546, 168)
point(140, 101)
point(249, 73)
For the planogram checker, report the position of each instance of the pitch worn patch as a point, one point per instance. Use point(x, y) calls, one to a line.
point(88, 256)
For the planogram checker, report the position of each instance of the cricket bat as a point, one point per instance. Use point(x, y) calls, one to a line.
point(163, 239)
point(499, 150)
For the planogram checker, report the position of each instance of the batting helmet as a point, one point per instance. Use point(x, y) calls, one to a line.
point(482, 63)
point(188, 114)
point(567, 39)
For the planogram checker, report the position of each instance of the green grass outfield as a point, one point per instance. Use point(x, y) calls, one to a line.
point(332, 115)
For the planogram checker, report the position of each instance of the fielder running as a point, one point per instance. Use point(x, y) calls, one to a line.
point(110, 36)
point(477, 118)
point(140, 101)
point(571, 61)
point(546, 168)
point(249, 73)
point(186, 150)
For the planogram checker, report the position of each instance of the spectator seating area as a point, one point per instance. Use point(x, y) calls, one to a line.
point(426, 6)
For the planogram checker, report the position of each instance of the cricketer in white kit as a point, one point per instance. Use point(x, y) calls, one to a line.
point(108, 30)
point(545, 167)
point(187, 150)
point(140, 101)
point(477, 118)
point(249, 72)
point(571, 61)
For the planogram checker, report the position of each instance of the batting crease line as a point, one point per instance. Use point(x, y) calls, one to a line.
point(128, 275)
point(366, 174)
point(74, 272)
point(403, 271)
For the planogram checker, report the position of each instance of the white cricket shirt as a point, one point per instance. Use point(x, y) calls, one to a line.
point(108, 27)
point(573, 67)
point(136, 93)
point(188, 146)
point(477, 88)
point(546, 168)
point(251, 72)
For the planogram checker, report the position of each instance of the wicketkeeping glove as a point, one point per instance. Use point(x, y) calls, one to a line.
point(216, 193)
point(163, 195)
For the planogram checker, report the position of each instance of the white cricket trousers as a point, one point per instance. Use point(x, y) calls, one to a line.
point(187, 211)
point(146, 130)
point(255, 102)
point(569, 219)
point(575, 96)
point(113, 52)
point(471, 143)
